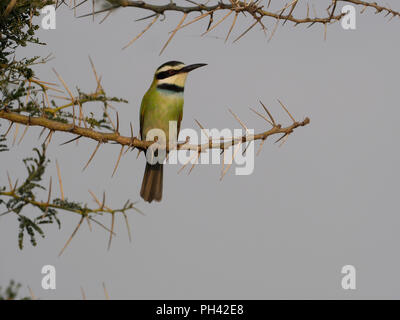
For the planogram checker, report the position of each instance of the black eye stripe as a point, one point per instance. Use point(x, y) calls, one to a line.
point(166, 74)
point(163, 75)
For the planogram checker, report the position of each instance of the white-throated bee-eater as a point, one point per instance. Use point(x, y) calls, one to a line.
point(162, 103)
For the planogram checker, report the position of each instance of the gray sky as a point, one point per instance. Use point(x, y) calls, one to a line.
point(327, 198)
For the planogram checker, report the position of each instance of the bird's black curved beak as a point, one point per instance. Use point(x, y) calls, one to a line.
point(192, 67)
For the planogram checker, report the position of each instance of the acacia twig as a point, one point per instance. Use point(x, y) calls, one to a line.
point(104, 137)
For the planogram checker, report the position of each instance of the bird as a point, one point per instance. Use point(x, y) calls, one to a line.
point(162, 103)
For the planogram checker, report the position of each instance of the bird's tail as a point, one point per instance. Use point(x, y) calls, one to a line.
point(152, 183)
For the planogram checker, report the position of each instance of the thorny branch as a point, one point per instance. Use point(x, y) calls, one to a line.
point(256, 9)
point(23, 195)
point(135, 142)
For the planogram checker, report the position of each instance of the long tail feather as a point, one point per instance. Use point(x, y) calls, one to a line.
point(152, 183)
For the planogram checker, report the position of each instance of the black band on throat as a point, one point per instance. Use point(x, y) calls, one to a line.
point(170, 87)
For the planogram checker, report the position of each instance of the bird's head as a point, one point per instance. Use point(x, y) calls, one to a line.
point(173, 74)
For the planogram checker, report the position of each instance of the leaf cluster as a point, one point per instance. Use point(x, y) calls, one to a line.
point(24, 195)
point(17, 30)
point(11, 292)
